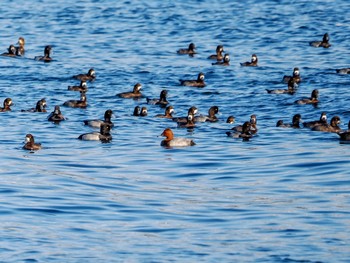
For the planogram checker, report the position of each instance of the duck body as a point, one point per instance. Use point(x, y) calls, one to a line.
point(56, 116)
point(46, 57)
point(245, 134)
point(7, 105)
point(170, 141)
point(191, 50)
point(224, 62)
point(252, 63)
point(218, 56)
point(11, 52)
point(332, 127)
point(82, 103)
point(343, 71)
point(211, 117)
point(133, 94)
point(40, 107)
point(295, 122)
point(167, 114)
point(321, 121)
point(199, 82)
point(104, 134)
point(291, 89)
point(30, 144)
point(90, 76)
point(96, 123)
point(296, 76)
point(162, 101)
point(82, 87)
point(324, 43)
point(312, 100)
point(193, 110)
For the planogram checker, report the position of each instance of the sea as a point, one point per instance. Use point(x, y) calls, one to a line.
point(282, 196)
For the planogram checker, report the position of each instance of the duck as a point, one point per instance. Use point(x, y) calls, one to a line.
point(324, 43)
point(191, 50)
point(140, 111)
point(82, 103)
point(171, 141)
point(192, 110)
point(167, 114)
point(295, 76)
point(224, 62)
point(211, 117)
point(56, 116)
point(96, 123)
point(230, 119)
point(332, 127)
point(188, 124)
point(104, 134)
point(343, 71)
point(11, 52)
point(290, 90)
point(199, 82)
point(20, 49)
point(135, 94)
point(295, 122)
point(218, 56)
point(252, 129)
point(245, 134)
point(162, 101)
point(40, 107)
point(7, 105)
point(30, 144)
point(46, 57)
point(312, 100)
point(345, 135)
point(321, 121)
point(90, 76)
point(252, 63)
point(82, 87)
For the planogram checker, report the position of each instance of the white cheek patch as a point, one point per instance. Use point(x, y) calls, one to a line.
point(296, 72)
point(171, 111)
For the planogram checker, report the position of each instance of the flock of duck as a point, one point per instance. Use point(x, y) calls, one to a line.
point(245, 131)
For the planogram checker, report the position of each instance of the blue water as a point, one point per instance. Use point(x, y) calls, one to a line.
point(281, 197)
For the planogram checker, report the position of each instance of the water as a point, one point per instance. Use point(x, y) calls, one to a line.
point(281, 197)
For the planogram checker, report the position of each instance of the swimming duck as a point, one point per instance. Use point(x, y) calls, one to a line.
point(191, 50)
point(211, 117)
point(46, 57)
point(252, 128)
point(218, 56)
point(135, 94)
point(140, 111)
point(199, 82)
point(30, 144)
point(193, 110)
point(82, 103)
point(252, 63)
point(11, 52)
point(324, 43)
point(245, 134)
point(312, 100)
point(7, 104)
point(104, 134)
point(162, 101)
point(97, 123)
point(332, 127)
point(56, 116)
point(40, 107)
point(224, 62)
point(295, 76)
point(167, 114)
point(321, 121)
point(343, 71)
point(90, 76)
point(188, 124)
point(82, 87)
point(170, 141)
point(290, 90)
point(231, 119)
point(345, 135)
point(295, 122)
point(20, 49)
